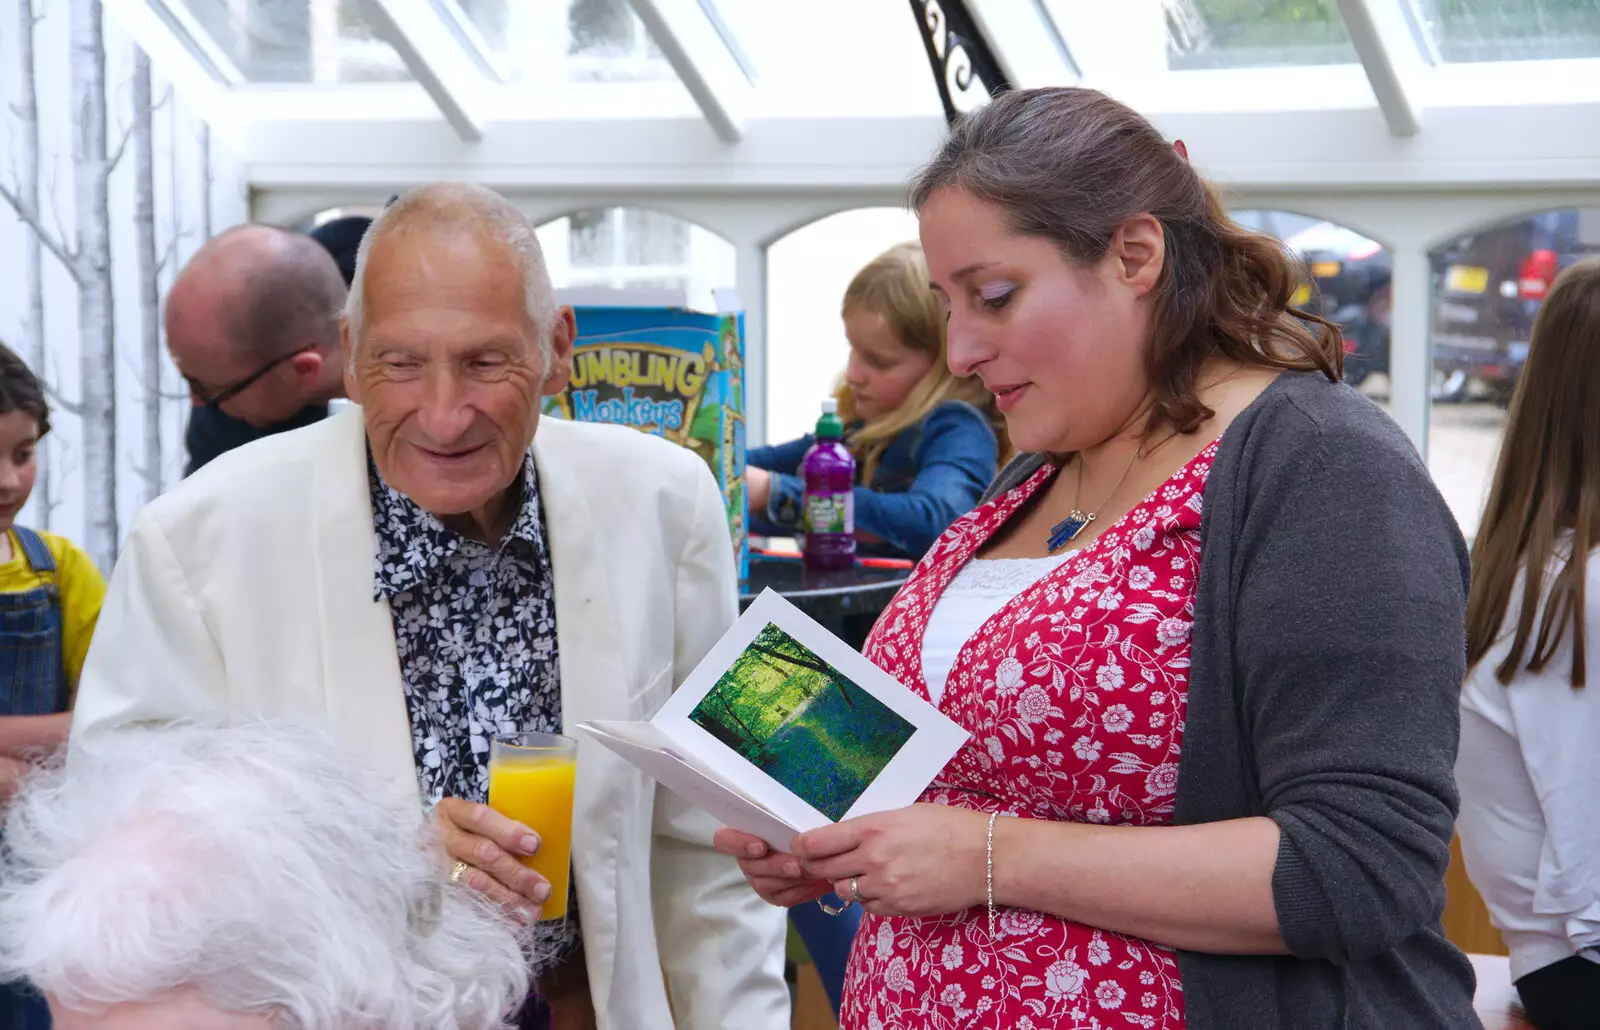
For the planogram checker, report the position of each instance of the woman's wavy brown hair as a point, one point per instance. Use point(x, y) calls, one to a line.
point(1072, 166)
point(1546, 485)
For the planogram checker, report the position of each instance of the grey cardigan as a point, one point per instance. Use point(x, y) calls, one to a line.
point(1329, 648)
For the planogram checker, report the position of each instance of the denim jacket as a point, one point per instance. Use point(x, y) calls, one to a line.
point(930, 475)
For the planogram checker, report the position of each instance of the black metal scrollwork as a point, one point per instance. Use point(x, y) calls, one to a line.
point(964, 67)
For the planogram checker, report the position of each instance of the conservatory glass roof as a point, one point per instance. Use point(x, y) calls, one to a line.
point(704, 94)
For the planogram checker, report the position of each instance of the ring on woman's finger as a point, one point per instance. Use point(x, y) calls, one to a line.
point(457, 871)
point(837, 910)
point(855, 889)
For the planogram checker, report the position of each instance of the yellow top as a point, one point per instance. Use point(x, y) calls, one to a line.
point(82, 590)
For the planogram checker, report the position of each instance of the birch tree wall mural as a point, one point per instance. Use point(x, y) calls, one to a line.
point(90, 261)
point(87, 259)
point(206, 178)
point(91, 242)
point(26, 173)
point(144, 223)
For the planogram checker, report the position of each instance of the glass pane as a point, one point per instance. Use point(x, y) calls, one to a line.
point(1255, 34)
point(653, 238)
point(1347, 282)
point(634, 248)
point(592, 239)
point(297, 41)
point(1487, 287)
point(849, 54)
point(555, 41)
point(600, 27)
point(1510, 30)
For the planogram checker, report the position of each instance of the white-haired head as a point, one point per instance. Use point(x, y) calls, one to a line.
point(459, 207)
point(252, 865)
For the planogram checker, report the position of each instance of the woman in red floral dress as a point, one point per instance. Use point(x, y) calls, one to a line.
point(1074, 692)
point(1206, 634)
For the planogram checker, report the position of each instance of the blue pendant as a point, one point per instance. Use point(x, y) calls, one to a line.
point(1062, 533)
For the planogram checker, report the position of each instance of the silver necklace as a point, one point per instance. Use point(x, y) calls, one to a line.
point(1063, 532)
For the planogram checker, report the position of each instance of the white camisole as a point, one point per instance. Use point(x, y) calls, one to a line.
point(978, 591)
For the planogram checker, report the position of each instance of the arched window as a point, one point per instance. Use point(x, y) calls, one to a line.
point(637, 248)
point(1488, 286)
point(807, 272)
point(1347, 282)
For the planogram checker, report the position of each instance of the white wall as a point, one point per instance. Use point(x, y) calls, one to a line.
point(183, 181)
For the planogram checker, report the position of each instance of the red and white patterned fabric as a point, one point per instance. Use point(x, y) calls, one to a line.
point(1075, 696)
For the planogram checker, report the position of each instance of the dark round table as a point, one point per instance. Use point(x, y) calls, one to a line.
point(825, 596)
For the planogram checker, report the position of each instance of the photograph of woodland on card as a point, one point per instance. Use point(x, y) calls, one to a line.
point(802, 722)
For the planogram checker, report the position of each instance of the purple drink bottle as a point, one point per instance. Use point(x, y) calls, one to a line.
point(829, 503)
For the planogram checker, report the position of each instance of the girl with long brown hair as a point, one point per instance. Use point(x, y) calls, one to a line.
point(1206, 634)
point(1530, 828)
point(923, 438)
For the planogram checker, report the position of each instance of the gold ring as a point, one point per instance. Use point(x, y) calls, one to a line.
point(457, 871)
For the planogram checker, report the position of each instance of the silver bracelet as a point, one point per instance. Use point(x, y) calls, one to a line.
point(989, 872)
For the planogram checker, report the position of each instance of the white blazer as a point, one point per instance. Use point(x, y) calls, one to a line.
point(249, 588)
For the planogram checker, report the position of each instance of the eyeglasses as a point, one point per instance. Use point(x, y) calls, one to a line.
point(227, 393)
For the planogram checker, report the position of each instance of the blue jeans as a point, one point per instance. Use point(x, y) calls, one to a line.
point(827, 939)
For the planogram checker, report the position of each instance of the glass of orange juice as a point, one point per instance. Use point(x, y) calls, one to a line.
point(531, 777)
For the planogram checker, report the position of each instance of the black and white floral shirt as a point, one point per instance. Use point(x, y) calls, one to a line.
point(475, 628)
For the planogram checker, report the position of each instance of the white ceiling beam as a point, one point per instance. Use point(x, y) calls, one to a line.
point(597, 154)
point(1482, 144)
point(1395, 66)
point(705, 59)
point(439, 58)
point(1026, 42)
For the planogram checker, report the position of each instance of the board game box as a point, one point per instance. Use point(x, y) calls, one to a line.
point(670, 371)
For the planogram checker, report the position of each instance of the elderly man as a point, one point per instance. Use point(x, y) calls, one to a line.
point(202, 876)
point(253, 324)
point(415, 576)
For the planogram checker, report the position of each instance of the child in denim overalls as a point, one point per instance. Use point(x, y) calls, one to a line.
point(50, 595)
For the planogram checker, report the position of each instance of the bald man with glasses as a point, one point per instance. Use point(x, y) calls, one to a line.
point(253, 325)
